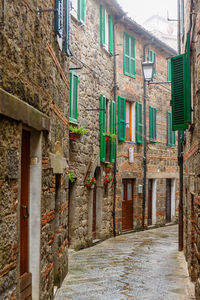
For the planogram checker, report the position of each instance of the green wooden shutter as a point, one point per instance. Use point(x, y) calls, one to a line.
point(121, 119)
point(152, 124)
point(152, 57)
point(178, 92)
point(81, 11)
point(139, 124)
point(169, 70)
point(188, 81)
point(102, 128)
point(129, 56)
point(112, 130)
point(110, 34)
point(67, 28)
point(168, 128)
point(126, 54)
point(73, 107)
point(102, 24)
point(59, 18)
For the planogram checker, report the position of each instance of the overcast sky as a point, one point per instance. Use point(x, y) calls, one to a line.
point(141, 10)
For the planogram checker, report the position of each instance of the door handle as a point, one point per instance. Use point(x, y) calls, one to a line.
point(26, 208)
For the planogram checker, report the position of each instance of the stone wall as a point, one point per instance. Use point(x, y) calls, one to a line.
point(96, 77)
point(161, 159)
point(33, 69)
point(191, 158)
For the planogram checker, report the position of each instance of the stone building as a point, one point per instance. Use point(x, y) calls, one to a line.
point(189, 122)
point(133, 46)
point(34, 89)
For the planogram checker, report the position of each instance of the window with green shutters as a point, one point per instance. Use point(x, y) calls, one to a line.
point(152, 58)
point(73, 105)
point(139, 123)
point(169, 70)
point(106, 30)
point(181, 89)
point(171, 137)
point(129, 55)
point(59, 18)
point(102, 128)
point(112, 130)
point(152, 124)
point(81, 11)
point(121, 118)
point(67, 4)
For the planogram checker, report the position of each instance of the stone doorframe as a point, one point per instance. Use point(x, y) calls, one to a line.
point(99, 203)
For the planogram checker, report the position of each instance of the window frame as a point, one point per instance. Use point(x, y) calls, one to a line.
point(130, 119)
point(71, 103)
point(106, 30)
point(130, 58)
point(152, 58)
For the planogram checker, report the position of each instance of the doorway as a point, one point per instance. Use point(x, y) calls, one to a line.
point(150, 197)
point(25, 275)
point(168, 200)
point(127, 204)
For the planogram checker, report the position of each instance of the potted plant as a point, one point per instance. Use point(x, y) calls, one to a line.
point(76, 132)
point(107, 179)
point(71, 177)
point(110, 136)
point(108, 168)
point(91, 181)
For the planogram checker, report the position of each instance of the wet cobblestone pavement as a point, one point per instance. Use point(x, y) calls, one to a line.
point(141, 265)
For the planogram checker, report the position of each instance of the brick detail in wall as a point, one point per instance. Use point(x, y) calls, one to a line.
point(47, 270)
point(7, 269)
point(47, 218)
point(190, 152)
point(63, 207)
point(62, 247)
point(61, 71)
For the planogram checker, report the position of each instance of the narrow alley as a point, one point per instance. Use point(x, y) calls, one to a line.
point(141, 265)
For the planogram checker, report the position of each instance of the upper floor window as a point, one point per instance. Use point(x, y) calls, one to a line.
point(130, 121)
point(152, 57)
point(129, 55)
point(171, 138)
point(152, 124)
point(106, 30)
point(78, 10)
point(73, 105)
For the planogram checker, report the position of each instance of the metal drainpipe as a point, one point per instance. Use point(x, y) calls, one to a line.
point(115, 99)
point(180, 154)
point(145, 150)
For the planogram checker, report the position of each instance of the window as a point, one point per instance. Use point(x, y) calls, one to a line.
point(152, 57)
point(171, 138)
point(107, 124)
point(129, 55)
point(67, 27)
point(169, 70)
point(78, 10)
point(139, 125)
point(152, 123)
point(106, 30)
point(130, 121)
point(121, 118)
point(73, 106)
point(181, 89)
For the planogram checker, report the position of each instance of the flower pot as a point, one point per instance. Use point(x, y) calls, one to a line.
point(107, 170)
point(73, 136)
point(89, 185)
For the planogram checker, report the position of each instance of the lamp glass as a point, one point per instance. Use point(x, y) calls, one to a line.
point(148, 70)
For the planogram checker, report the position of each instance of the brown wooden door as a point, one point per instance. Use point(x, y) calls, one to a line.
point(127, 204)
point(150, 194)
point(168, 200)
point(24, 208)
point(94, 213)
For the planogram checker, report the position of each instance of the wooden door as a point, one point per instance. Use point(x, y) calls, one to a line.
point(127, 204)
point(94, 213)
point(168, 200)
point(25, 276)
point(150, 195)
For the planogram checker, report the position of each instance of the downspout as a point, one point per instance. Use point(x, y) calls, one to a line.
point(144, 150)
point(115, 99)
point(180, 153)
